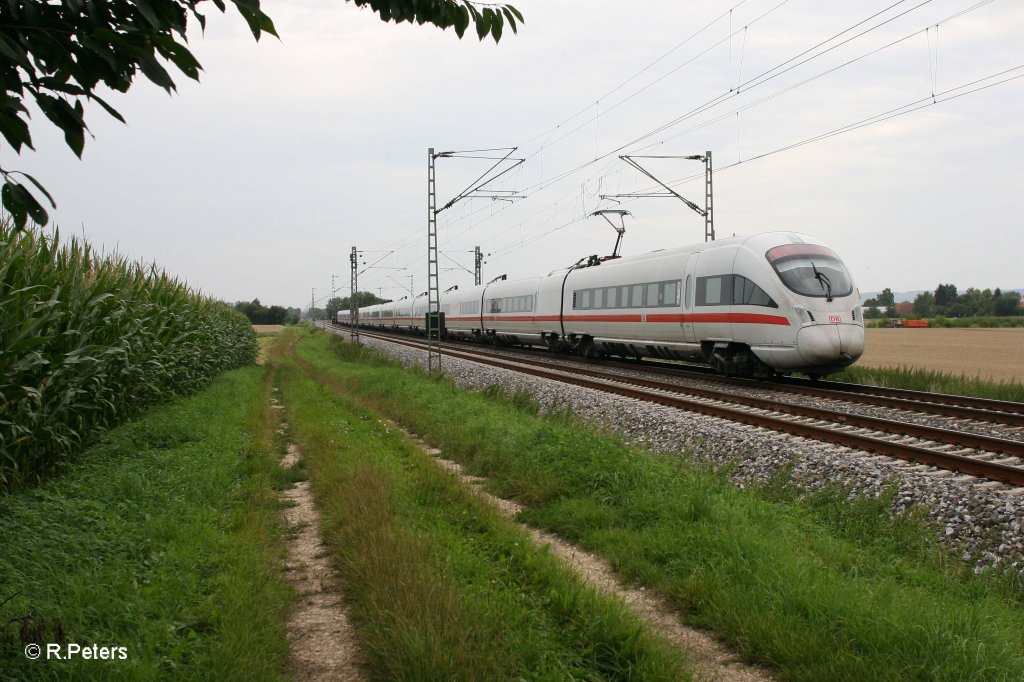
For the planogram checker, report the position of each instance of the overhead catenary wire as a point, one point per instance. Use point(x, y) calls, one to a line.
point(770, 74)
point(618, 87)
point(742, 86)
point(561, 176)
point(977, 85)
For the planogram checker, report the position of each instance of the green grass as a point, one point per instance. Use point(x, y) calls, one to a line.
point(441, 586)
point(976, 322)
point(816, 589)
point(932, 382)
point(162, 539)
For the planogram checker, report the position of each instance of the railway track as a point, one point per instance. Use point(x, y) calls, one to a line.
point(976, 455)
point(958, 407)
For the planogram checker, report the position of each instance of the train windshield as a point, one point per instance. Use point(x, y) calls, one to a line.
point(811, 270)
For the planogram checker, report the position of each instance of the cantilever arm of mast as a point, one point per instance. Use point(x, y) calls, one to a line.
point(669, 192)
point(476, 188)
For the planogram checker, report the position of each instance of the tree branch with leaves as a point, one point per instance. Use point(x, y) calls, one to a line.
point(57, 54)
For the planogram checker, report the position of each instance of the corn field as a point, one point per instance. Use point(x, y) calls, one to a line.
point(87, 342)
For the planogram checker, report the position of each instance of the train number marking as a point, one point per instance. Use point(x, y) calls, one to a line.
point(835, 319)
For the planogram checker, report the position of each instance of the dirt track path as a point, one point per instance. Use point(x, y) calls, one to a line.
point(709, 658)
point(321, 638)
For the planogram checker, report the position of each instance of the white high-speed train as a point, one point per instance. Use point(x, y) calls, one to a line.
point(767, 304)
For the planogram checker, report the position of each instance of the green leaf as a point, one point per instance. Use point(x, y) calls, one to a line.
point(65, 117)
point(13, 204)
point(40, 188)
point(259, 22)
point(110, 110)
point(154, 72)
point(35, 209)
point(511, 19)
point(15, 130)
point(149, 13)
point(180, 56)
point(14, 52)
point(496, 25)
point(461, 21)
point(483, 23)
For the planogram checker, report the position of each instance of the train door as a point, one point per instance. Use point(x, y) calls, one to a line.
point(689, 285)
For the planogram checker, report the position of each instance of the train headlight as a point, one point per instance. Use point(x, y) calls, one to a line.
point(805, 315)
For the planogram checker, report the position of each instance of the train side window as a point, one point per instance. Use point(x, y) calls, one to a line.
point(624, 297)
point(598, 298)
point(709, 290)
point(745, 292)
point(585, 303)
point(738, 282)
point(652, 295)
point(689, 291)
point(611, 297)
point(637, 297)
point(669, 293)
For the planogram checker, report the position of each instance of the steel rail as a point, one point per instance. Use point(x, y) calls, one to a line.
point(670, 395)
point(960, 407)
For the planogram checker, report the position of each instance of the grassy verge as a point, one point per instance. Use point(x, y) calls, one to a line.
point(817, 589)
point(160, 540)
point(440, 585)
point(960, 322)
point(933, 382)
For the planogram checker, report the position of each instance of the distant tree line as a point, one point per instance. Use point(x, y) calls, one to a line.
point(946, 301)
point(363, 298)
point(260, 314)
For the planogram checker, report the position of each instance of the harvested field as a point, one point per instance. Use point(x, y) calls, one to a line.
point(994, 354)
point(267, 328)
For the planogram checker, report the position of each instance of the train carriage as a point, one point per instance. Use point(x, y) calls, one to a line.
point(752, 306)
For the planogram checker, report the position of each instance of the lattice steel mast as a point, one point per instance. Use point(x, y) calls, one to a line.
point(353, 305)
point(433, 324)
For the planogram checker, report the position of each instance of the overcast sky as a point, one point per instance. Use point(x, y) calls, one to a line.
point(259, 180)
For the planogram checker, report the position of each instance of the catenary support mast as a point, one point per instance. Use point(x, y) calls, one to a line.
point(433, 324)
point(353, 305)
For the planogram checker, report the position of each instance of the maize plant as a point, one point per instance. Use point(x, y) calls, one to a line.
point(87, 342)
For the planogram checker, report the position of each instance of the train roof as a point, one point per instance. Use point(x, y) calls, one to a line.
point(763, 240)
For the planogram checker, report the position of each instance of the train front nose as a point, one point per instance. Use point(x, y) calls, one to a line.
point(830, 344)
